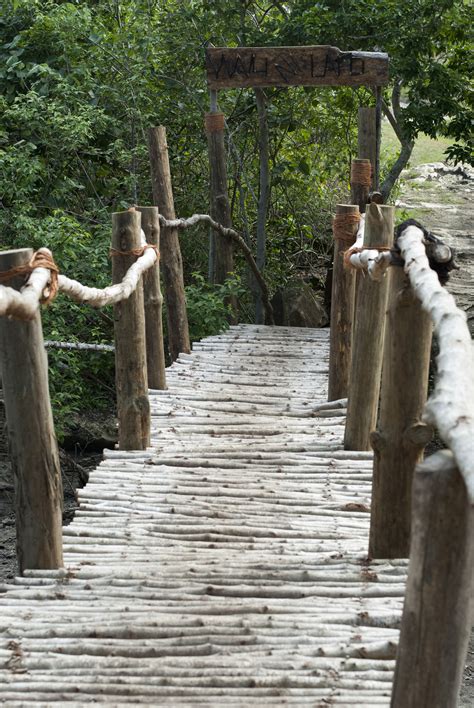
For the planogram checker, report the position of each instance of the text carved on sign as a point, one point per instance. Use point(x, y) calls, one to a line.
point(293, 66)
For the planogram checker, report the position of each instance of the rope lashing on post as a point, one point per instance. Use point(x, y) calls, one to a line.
point(361, 173)
point(137, 252)
point(214, 122)
point(343, 227)
point(43, 258)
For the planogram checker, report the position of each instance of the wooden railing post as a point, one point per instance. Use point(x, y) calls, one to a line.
point(367, 338)
point(367, 138)
point(360, 183)
point(342, 303)
point(32, 440)
point(171, 260)
point(133, 408)
point(401, 436)
point(220, 204)
point(155, 350)
point(437, 613)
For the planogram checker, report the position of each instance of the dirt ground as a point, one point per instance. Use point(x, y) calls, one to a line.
point(439, 197)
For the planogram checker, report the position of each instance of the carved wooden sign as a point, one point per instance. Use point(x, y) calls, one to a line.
point(241, 67)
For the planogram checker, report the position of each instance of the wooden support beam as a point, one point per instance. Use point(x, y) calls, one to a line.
point(171, 260)
point(220, 204)
point(368, 336)
point(438, 610)
point(155, 349)
point(133, 408)
point(32, 440)
point(401, 436)
point(342, 304)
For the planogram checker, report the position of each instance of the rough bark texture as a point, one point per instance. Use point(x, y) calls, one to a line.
point(368, 335)
point(367, 137)
point(401, 436)
point(133, 408)
point(438, 608)
point(32, 440)
point(171, 261)
point(342, 311)
point(240, 67)
point(155, 350)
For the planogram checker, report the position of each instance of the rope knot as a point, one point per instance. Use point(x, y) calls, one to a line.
point(42, 258)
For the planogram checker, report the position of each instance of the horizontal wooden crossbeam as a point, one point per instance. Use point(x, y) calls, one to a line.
point(240, 67)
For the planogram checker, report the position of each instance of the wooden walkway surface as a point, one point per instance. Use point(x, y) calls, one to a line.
point(227, 564)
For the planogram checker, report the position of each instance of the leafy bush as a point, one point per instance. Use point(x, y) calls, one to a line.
point(208, 305)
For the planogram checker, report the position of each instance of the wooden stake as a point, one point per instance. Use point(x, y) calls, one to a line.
point(367, 137)
point(155, 350)
point(360, 188)
point(133, 408)
point(220, 204)
point(342, 310)
point(171, 261)
point(401, 436)
point(368, 334)
point(32, 440)
point(437, 614)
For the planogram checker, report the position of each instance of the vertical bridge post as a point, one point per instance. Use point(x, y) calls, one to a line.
point(220, 204)
point(439, 598)
point(32, 440)
point(342, 302)
point(368, 336)
point(133, 407)
point(367, 138)
point(155, 350)
point(214, 123)
point(401, 437)
point(171, 260)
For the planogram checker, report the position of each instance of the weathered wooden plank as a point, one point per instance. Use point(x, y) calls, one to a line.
point(227, 562)
point(240, 67)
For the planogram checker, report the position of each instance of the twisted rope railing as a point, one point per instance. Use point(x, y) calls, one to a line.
point(24, 304)
point(450, 408)
point(237, 238)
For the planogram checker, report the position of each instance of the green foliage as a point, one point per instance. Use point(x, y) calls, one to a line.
point(208, 305)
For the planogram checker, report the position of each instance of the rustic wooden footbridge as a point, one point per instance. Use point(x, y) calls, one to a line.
point(244, 544)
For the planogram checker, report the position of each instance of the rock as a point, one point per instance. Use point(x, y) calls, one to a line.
point(298, 306)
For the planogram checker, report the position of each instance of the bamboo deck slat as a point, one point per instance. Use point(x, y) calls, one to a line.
point(227, 563)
